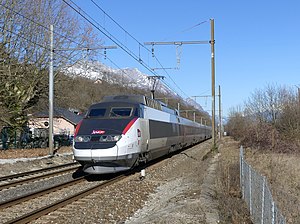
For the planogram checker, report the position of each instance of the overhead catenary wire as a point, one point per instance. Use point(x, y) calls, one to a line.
point(140, 44)
point(54, 51)
point(42, 46)
point(39, 24)
point(68, 58)
point(47, 29)
point(71, 40)
point(187, 29)
point(192, 27)
point(100, 28)
point(97, 5)
point(123, 47)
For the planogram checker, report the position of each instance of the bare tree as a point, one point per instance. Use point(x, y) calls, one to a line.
point(24, 51)
point(266, 104)
point(289, 121)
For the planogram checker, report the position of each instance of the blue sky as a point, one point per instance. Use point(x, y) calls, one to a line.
point(257, 43)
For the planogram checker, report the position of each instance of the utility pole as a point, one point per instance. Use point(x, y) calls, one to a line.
point(154, 78)
point(220, 115)
point(212, 43)
point(166, 100)
point(186, 113)
point(51, 94)
point(298, 88)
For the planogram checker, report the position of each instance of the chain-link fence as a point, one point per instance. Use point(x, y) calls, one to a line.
point(257, 195)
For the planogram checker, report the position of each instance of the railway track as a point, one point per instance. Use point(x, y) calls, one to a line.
point(26, 177)
point(11, 210)
point(30, 207)
point(26, 197)
point(36, 213)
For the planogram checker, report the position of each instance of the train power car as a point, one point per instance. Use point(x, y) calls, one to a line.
point(122, 131)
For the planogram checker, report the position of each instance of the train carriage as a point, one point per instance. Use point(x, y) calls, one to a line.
point(122, 131)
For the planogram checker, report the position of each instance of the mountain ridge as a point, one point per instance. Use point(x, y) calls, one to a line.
point(131, 77)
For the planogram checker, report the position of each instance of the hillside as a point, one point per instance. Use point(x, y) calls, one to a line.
point(88, 82)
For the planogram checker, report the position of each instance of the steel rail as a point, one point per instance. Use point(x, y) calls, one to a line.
point(42, 192)
point(13, 176)
point(61, 203)
point(15, 183)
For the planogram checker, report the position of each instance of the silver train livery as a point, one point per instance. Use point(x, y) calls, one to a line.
point(122, 131)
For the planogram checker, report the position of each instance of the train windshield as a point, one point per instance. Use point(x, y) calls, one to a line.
point(100, 112)
point(120, 112)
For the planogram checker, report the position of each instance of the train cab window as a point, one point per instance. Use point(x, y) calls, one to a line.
point(120, 112)
point(100, 112)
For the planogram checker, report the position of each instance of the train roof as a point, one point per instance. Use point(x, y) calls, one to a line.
point(125, 98)
point(139, 99)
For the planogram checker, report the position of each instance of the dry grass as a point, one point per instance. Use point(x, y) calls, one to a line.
point(232, 208)
point(282, 172)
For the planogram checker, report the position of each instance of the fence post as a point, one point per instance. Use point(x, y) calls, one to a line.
point(250, 189)
point(242, 171)
point(273, 212)
point(263, 200)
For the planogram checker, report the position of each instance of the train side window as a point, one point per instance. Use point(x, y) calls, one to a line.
point(100, 112)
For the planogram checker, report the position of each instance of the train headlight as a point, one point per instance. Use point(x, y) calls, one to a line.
point(82, 138)
point(116, 138)
point(110, 138)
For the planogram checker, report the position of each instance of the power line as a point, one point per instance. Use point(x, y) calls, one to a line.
point(46, 28)
point(140, 44)
point(55, 52)
point(190, 28)
point(178, 43)
point(39, 24)
point(119, 25)
point(112, 38)
point(108, 34)
point(38, 44)
point(187, 29)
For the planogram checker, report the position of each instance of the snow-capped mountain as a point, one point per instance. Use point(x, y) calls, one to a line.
point(130, 77)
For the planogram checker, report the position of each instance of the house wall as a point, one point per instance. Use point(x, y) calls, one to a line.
point(60, 125)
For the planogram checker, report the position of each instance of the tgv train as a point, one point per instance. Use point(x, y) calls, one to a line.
point(122, 131)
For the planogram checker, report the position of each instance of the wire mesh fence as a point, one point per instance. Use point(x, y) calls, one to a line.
point(257, 194)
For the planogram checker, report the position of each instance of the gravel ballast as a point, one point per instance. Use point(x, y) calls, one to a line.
point(177, 190)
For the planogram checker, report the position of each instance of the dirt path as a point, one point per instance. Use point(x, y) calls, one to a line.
point(187, 194)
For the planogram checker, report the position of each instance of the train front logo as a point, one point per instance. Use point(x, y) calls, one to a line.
point(98, 132)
